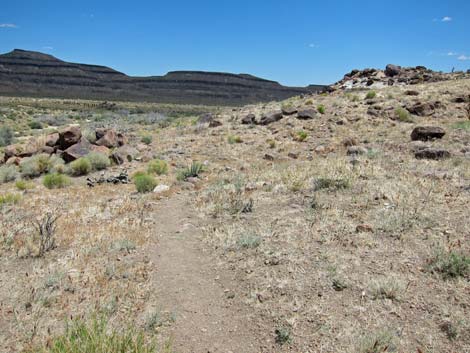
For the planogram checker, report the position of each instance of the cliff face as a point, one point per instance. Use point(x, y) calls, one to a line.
point(26, 73)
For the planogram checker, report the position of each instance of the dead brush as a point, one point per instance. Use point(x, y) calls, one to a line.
point(45, 234)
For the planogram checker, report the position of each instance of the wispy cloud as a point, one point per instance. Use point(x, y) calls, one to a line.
point(313, 45)
point(464, 58)
point(446, 19)
point(8, 25)
point(48, 48)
point(451, 53)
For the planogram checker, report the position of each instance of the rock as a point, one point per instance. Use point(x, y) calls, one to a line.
point(375, 110)
point(364, 228)
point(13, 161)
point(411, 93)
point(108, 139)
point(293, 155)
point(460, 100)
point(426, 133)
point(100, 149)
point(52, 139)
point(392, 70)
point(76, 151)
point(69, 136)
point(124, 154)
point(349, 141)
point(423, 109)
point(100, 132)
point(215, 123)
point(46, 149)
point(356, 150)
point(11, 151)
point(121, 139)
point(161, 189)
point(271, 118)
point(432, 153)
point(249, 119)
point(306, 114)
point(289, 111)
point(268, 157)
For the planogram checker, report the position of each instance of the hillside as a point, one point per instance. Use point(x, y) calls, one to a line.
point(26, 73)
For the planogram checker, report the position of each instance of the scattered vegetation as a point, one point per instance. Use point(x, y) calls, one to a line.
point(46, 228)
point(371, 95)
point(283, 335)
point(301, 136)
point(145, 183)
point(321, 109)
point(389, 288)
point(234, 139)
point(403, 115)
point(464, 125)
point(249, 241)
point(7, 136)
point(56, 181)
point(377, 343)
point(98, 161)
point(42, 163)
point(451, 264)
point(24, 185)
point(81, 166)
point(158, 167)
point(8, 173)
point(9, 199)
point(331, 184)
point(147, 139)
point(193, 171)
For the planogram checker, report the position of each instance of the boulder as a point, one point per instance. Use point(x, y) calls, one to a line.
point(100, 149)
point(249, 119)
point(69, 136)
point(108, 139)
point(52, 139)
point(215, 123)
point(392, 70)
point(432, 153)
point(11, 151)
point(121, 139)
point(306, 114)
point(412, 93)
point(76, 151)
point(426, 133)
point(356, 150)
point(289, 111)
point(13, 161)
point(423, 109)
point(271, 118)
point(124, 154)
point(46, 149)
point(161, 189)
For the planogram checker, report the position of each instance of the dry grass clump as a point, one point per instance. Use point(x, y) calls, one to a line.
point(8, 173)
point(158, 167)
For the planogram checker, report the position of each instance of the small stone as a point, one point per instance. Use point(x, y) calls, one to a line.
point(161, 188)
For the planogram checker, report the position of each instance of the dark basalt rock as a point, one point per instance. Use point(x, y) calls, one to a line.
point(432, 153)
point(306, 114)
point(271, 118)
point(426, 133)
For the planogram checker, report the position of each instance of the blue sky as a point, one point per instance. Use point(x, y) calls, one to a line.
point(295, 42)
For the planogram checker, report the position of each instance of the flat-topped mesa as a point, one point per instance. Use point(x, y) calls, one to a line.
point(392, 75)
point(27, 73)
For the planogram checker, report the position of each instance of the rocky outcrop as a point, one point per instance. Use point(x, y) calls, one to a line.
point(26, 73)
point(271, 118)
point(426, 133)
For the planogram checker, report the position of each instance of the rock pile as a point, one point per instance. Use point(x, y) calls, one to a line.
point(392, 75)
point(272, 117)
point(69, 144)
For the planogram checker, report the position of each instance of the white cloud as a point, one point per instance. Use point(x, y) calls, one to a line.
point(463, 58)
point(48, 48)
point(8, 25)
point(446, 19)
point(313, 45)
point(451, 53)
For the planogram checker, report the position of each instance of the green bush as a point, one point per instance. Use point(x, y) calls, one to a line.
point(194, 170)
point(56, 181)
point(34, 166)
point(35, 125)
point(96, 336)
point(8, 173)
point(9, 199)
point(332, 184)
point(145, 183)
point(371, 95)
point(403, 115)
point(321, 109)
point(99, 161)
point(7, 136)
point(301, 136)
point(234, 139)
point(147, 139)
point(158, 167)
point(451, 265)
point(81, 166)
point(24, 185)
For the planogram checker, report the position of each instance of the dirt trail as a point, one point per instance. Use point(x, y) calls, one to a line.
point(189, 284)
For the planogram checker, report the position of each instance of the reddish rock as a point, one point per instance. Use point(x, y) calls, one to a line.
point(46, 149)
point(109, 139)
point(69, 136)
point(52, 139)
point(78, 150)
point(11, 151)
point(100, 149)
point(13, 161)
point(121, 139)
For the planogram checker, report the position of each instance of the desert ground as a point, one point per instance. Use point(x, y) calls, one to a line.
point(325, 228)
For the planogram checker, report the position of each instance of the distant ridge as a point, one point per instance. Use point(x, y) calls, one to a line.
point(34, 74)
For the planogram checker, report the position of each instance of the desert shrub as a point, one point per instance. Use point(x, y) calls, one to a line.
point(379, 342)
point(56, 181)
point(7, 136)
point(35, 166)
point(194, 170)
point(99, 161)
point(271, 143)
point(157, 166)
point(9, 199)
point(234, 139)
point(301, 136)
point(96, 336)
point(249, 241)
point(309, 102)
point(283, 335)
point(464, 125)
point(321, 109)
point(332, 184)
point(8, 173)
point(403, 115)
point(45, 236)
point(81, 166)
point(451, 265)
point(147, 139)
point(24, 185)
point(138, 173)
point(145, 183)
point(371, 95)
point(89, 134)
point(388, 288)
point(35, 125)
